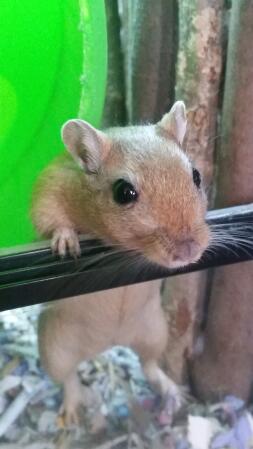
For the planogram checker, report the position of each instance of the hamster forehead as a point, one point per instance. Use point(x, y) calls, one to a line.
point(140, 152)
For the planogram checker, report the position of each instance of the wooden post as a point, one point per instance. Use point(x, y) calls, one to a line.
point(226, 363)
point(197, 83)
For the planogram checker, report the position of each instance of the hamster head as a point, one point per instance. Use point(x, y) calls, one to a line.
point(145, 192)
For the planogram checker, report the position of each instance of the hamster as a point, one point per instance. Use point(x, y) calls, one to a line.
point(134, 187)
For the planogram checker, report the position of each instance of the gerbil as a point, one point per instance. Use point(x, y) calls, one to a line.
point(135, 187)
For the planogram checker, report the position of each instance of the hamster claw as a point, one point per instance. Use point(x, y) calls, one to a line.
point(65, 241)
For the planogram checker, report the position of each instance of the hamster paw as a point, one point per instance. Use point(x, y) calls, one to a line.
point(174, 397)
point(68, 418)
point(172, 402)
point(65, 241)
point(171, 394)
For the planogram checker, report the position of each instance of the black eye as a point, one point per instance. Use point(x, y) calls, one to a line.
point(196, 177)
point(124, 192)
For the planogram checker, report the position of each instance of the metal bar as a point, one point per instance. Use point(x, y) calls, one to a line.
point(32, 274)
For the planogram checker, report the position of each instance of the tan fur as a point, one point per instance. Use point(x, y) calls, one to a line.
point(169, 212)
point(166, 225)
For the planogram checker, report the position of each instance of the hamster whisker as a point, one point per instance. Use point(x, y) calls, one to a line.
point(89, 247)
point(133, 264)
point(99, 258)
point(232, 230)
point(229, 236)
point(227, 229)
point(91, 244)
point(218, 245)
point(121, 263)
point(119, 260)
point(237, 224)
point(231, 239)
point(209, 251)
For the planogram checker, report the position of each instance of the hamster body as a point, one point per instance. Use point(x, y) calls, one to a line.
point(133, 187)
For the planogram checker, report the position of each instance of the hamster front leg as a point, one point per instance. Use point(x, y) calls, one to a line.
point(52, 220)
point(64, 241)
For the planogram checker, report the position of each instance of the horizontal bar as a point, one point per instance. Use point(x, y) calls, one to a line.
point(32, 274)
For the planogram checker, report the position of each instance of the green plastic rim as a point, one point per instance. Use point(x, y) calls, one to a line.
point(53, 67)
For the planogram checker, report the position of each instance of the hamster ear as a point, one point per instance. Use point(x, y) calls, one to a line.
point(175, 121)
point(88, 146)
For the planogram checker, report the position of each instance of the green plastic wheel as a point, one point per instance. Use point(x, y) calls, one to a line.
point(53, 57)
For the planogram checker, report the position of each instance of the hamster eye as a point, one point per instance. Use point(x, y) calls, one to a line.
point(196, 177)
point(124, 192)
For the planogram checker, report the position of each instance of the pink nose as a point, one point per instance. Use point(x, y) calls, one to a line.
point(186, 250)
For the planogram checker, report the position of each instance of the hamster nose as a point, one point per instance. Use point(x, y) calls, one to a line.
point(186, 250)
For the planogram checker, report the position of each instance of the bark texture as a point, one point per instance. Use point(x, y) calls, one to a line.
point(114, 113)
point(226, 363)
point(198, 76)
point(182, 299)
point(197, 83)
